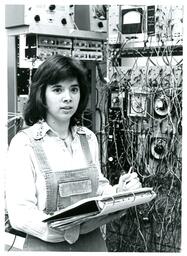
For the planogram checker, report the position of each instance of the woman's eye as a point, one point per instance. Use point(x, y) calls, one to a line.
point(75, 89)
point(57, 90)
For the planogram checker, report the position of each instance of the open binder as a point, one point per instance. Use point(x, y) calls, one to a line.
point(95, 207)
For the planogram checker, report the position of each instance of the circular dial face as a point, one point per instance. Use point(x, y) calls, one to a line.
point(159, 148)
point(161, 105)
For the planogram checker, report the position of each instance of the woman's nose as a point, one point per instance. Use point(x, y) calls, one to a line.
point(66, 96)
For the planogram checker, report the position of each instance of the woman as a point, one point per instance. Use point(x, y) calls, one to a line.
point(54, 162)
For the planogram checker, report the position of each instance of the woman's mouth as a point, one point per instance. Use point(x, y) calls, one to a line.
point(66, 108)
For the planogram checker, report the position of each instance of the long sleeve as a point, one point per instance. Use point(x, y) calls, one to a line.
point(21, 193)
point(25, 184)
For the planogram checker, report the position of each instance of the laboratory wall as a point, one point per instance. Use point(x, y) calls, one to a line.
point(134, 57)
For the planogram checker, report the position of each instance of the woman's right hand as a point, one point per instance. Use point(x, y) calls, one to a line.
point(129, 181)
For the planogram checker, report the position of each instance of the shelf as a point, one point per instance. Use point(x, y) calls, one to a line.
point(174, 50)
point(56, 31)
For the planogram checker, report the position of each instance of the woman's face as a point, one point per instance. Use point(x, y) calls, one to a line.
point(62, 100)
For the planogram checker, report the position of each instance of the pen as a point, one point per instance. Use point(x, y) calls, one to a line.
point(129, 171)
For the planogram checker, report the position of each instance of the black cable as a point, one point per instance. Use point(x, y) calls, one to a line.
point(100, 134)
point(100, 73)
point(12, 243)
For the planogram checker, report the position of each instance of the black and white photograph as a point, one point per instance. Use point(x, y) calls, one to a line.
point(92, 127)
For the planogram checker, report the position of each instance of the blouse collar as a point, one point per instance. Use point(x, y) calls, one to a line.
point(41, 128)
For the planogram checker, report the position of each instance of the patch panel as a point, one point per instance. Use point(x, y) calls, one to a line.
point(87, 55)
point(54, 41)
point(85, 44)
point(147, 78)
point(44, 52)
point(48, 46)
point(169, 23)
point(87, 49)
point(34, 49)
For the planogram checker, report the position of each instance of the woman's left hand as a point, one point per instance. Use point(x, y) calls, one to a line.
point(128, 181)
point(97, 222)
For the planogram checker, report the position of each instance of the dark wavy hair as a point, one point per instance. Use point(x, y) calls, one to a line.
point(53, 70)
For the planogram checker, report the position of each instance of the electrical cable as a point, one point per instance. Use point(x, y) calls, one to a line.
point(136, 154)
point(10, 248)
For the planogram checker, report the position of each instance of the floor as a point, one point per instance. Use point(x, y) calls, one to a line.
point(12, 242)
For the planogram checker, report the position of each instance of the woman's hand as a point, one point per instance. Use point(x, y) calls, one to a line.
point(71, 235)
point(128, 181)
point(90, 225)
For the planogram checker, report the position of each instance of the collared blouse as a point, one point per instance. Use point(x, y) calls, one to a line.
point(25, 184)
